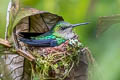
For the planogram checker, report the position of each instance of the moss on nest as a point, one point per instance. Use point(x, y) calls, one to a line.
point(57, 65)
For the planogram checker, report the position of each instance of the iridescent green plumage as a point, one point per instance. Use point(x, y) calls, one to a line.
point(59, 40)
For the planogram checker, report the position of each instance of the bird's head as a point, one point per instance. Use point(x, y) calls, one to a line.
point(64, 29)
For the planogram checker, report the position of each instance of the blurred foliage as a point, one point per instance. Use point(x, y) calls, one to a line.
point(105, 48)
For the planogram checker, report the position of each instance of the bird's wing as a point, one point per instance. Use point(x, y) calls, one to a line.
point(40, 43)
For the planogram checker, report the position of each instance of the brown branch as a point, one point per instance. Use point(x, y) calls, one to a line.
point(5, 43)
point(27, 55)
point(9, 50)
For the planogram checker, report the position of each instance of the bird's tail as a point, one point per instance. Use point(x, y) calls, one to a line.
point(39, 43)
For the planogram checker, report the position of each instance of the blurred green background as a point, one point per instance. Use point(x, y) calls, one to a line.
point(105, 49)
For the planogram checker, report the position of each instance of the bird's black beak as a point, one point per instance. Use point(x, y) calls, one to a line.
point(74, 25)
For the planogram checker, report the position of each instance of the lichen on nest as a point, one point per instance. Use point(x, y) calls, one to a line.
point(55, 63)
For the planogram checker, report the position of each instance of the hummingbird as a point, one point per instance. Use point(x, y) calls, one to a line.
point(58, 34)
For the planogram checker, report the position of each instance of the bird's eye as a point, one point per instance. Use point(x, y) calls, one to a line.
point(62, 28)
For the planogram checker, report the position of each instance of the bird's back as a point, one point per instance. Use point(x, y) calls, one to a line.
point(49, 36)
